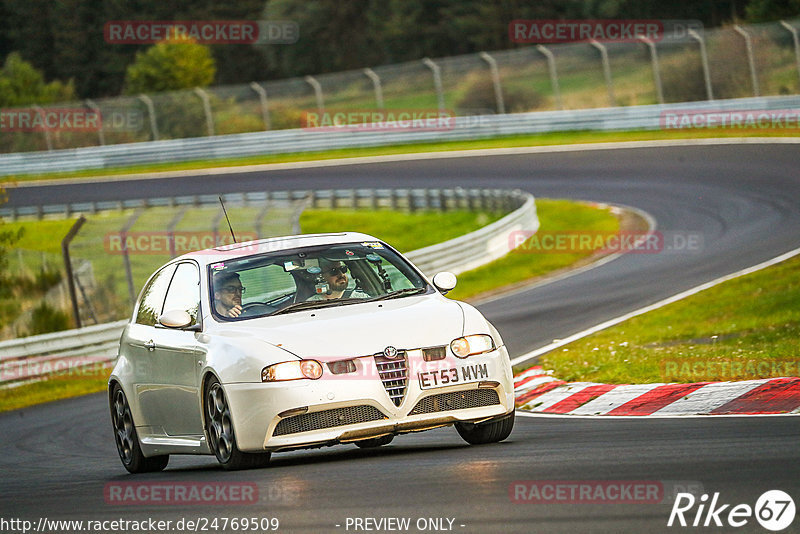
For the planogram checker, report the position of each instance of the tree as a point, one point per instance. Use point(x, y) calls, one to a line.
point(22, 85)
point(768, 10)
point(179, 63)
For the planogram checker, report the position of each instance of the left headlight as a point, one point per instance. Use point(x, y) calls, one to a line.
point(471, 345)
point(295, 370)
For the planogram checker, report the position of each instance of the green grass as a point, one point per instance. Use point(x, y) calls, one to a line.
point(404, 231)
point(743, 329)
point(526, 263)
point(556, 138)
point(49, 390)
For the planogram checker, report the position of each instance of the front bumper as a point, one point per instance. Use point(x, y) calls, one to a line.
point(350, 407)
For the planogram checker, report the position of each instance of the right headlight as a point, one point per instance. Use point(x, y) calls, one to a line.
point(294, 370)
point(471, 345)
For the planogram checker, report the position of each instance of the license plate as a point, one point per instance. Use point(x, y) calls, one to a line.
point(452, 375)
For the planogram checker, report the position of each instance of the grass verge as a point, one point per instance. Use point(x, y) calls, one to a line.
point(48, 390)
point(742, 329)
point(404, 231)
point(547, 139)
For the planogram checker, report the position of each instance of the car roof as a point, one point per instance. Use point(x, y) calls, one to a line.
point(273, 244)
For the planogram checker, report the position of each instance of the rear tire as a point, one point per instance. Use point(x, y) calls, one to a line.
point(488, 432)
point(128, 447)
point(219, 429)
point(371, 443)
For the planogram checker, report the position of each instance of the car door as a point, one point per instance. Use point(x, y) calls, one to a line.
point(139, 346)
point(177, 359)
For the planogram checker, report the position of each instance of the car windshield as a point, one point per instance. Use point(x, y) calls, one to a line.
point(321, 276)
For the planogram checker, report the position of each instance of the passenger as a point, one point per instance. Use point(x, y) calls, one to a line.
point(335, 275)
point(228, 292)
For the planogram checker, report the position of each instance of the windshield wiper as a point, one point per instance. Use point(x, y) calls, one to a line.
point(310, 304)
point(399, 293)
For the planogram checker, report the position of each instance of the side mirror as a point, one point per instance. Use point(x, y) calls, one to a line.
point(444, 281)
point(175, 319)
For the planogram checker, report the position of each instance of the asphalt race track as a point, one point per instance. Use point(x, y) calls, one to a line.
point(741, 201)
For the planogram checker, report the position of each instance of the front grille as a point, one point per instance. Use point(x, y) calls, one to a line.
point(349, 415)
point(394, 375)
point(456, 400)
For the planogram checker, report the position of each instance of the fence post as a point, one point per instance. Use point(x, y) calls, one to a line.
point(262, 97)
point(151, 112)
point(94, 107)
point(310, 80)
point(47, 138)
point(796, 43)
point(171, 231)
point(656, 70)
point(437, 81)
point(498, 90)
point(551, 67)
point(750, 58)
point(606, 71)
point(126, 259)
point(206, 109)
point(704, 58)
point(376, 84)
point(68, 268)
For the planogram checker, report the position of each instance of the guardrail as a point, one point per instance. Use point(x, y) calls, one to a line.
point(70, 352)
point(290, 141)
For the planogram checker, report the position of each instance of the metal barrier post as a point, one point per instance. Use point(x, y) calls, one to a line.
point(606, 71)
point(498, 91)
point(704, 57)
point(551, 66)
point(151, 112)
point(310, 80)
point(376, 84)
point(94, 107)
point(47, 138)
point(656, 70)
point(206, 109)
point(437, 81)
point(793, 30)
point(68, 268)
point(126, 259)
point(750, 57)
point(262, 97)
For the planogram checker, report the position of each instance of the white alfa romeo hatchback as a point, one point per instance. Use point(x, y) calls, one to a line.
point(301, 342)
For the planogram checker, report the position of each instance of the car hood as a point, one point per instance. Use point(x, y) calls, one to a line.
point(357, 329)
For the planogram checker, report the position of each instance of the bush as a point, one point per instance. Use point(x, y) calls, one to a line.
point(45, 319)
point(480, 95)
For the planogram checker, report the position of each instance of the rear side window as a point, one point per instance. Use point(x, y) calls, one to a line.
point(152, 301)
point(184, 291)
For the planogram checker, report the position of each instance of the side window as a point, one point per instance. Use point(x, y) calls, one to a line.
point(184, 291)
point(153, 297)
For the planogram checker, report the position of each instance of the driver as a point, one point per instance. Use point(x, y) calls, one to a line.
point(334, 273)
point(228, 292)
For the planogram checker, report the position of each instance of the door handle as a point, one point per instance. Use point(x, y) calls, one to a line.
point(150, 345)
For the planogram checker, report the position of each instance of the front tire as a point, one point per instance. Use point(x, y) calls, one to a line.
point(128, 447)
point(487, 432)
point(219, 429)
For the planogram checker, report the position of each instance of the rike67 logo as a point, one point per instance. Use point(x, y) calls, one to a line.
point(774, 510)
